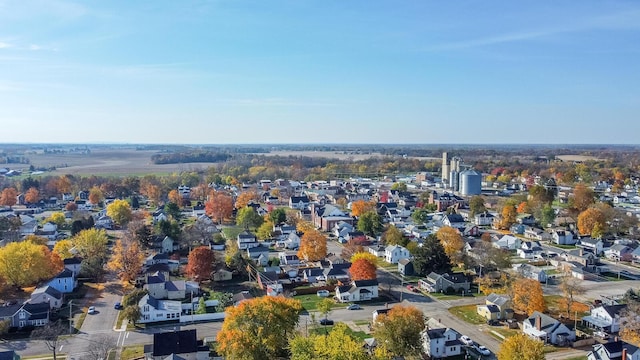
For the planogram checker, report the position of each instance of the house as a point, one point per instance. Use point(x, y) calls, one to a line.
point(299, 202)
point(535, 233)
point(445, 200)
point(615, 350)
point(617, 251)
point(449, 283)
point(313, 275)
point(246, 240)
point(595, 245)
point(47, 294)
point(455, 221)
point(174, 345)
point(441, 343)
point(73, 264)
point(9, 355)
point(605, 318)
point(240, 297)
point(377, 250)
point(483, 219)
point(579, 256)
point(338, 272)
point(288, 258)
point(161, 287)
point(548, 329)
point(168, 245)
point(496, 307)
point(154, 310)
point(405, 267)
point(529, 249)
point(508, 242)
point(104, 222)
point(259, 254)
point(27, 314)
point(222, 275)
point(562, 237)
point(342, 229)
point(532, 272)
point(393, 253)
point(29, 225)
point(325, 217)
point(204, 222)
point(292, 241)
point(157, 258)
point(64, 282)
point(359, 290)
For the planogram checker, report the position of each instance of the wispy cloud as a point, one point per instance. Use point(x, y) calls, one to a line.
point(5, 45)
point(276, 102)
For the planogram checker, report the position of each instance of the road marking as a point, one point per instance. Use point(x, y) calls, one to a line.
point(127, 335)
point(60, 348)
point(119, 336)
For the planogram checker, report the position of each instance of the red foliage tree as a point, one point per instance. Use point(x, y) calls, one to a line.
point(219, 206)
point(363, 269)
point(200, 263)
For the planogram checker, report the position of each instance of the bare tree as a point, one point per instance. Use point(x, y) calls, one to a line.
point(50, 334)
point(100, 347)
point(571, 286)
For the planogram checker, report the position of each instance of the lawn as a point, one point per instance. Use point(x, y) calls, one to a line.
point(555, 307)
point(132, 352)
point(310, 302)
point(231, 232)
point(441, 296)
point(563, 246)
point(504, 331)
point(468, 313)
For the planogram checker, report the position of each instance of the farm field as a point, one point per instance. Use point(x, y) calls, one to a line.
point(339, 155)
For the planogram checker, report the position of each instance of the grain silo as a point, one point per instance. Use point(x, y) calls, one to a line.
point(470, 182)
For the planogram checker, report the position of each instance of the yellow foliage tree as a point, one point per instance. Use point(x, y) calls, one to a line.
point(120, 211)
point(32, 195)
point(305, 226)
point(360, 207)
point(25, 263)
point(488, 284)
point(337, 345)
point(364, 255)
point(62, 248)
point(175, 197)
point(521, 346)
point(590, 219)
point(508, 217)
point(400, 330)
point(527, 296)
point(57, 218)
point(451, 242)
point(95, 195)
point(313, 246)
point(127, 260)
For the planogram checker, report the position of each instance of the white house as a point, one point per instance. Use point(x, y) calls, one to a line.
point(393, 253)
point(359, 290)
point(64, 282)
point(441, 343)
point(617, 251)
point(548, 329)
point(595, 245)
point(73, 264)
point(615, 350)
point(532, 272)
point(299, 202)
point(104, 222)
point(508, 242)
point(47, 294)
point(246, 240)
point(168, 245)
point(605, 318)
point(483, 219)
point(154, 310)
point(292, 241)
point(377, 250)
point(563, 237)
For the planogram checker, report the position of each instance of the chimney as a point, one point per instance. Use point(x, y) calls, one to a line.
point(538, 322)
point(624, 353)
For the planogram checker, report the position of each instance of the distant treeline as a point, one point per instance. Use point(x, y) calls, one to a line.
point(190, 157)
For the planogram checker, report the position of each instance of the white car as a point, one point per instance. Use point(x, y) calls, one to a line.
point(466, 340)
point(323, 293)
point(92, 310)
point(483, 350)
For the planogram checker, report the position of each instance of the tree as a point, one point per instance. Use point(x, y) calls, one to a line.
point(547, 215)
point(583, 197)
point(57, 218)
point(71, 206)
point(32, 195)
point(120, 211)
point(132, 313)
point(4, 327)
point(324, 306)
point(363, 269)
point(92, 248)
point(140, 232)
point(170, 228)
point(370, 223)
point(134, 297)
point(245, 198)
point(492, 283)
point(313, 246)
point(431, 257)
point(523, 208)
point(337, 345)
point(25, 263)
point(225, 299)
point(202, 306)
point(248, 218)
point(175, 197)
point(360, 207)
point(100, 347)
point(127, 259)
point(488, 256)
point(9, 197)
point(451, 242)
point(50, 334)
point(400, 330)
point(364, 255)
point(393, 236)
point(350, 248)
point(95, 195)
point(200, 264)
point(521, 346)
point(508, 218)
point(589, 219)
point(219, 206)
point(476, 205)
point(527, 296)
point(420, 216)
point(265, 230)
point(173, 209)
point(63, 249)
point(35, 239)
point(571, 287)
point(305, 226)
point(278, 216)
point(258, 328)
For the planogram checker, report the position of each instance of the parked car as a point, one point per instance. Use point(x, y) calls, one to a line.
point(92, 310)
point(483, 350)
point(117, 306)
point(493, 322)
point(326, 322)
point(354, 307)
point(601, 334)
point(323, 293)
point(466, 340)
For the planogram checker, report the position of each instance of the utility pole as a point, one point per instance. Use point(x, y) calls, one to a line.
point(70, 316)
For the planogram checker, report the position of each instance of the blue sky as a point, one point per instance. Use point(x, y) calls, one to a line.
point(320, 71)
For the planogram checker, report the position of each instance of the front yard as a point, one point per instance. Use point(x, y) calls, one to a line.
point(468, 313)
point(310, 302)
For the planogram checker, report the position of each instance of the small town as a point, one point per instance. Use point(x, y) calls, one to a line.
point(449, 264)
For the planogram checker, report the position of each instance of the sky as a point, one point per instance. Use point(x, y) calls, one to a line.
point(225, 72)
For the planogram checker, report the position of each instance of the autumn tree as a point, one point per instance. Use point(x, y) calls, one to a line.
point(35, 239)
point(9, 197)
point(476, 205)
point(127, 259)
point(91, 245)
point(393, 236)
point(219, 206)
point(523, 208)
point(488, 256)
point(494, 282)
point(71, 206)
point(400, 330)
point(258, 328)
point(583, 197)
point(151, 191)
point(521, 346)
point(350, 248)
point(63, 249)
point(370, 223)
point(247, 218)
point(571, 287)
point(305, 226)
point(508, 217)
point(589, 219)
point(324, 306)
point(175, 197)
point(95, 195)
point(527, 296)
point(120, 211)
point(363, 269)
point(313, 246)
point(32, 195)
point(364, 255)
point(57, 218)
point(201, 263)
point(26, 263)
point(337, 345)
point(360, 207)
point(245, 198)
point(265, 230)
point(451, 242)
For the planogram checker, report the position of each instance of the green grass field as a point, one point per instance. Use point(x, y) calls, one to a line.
point(468, 313)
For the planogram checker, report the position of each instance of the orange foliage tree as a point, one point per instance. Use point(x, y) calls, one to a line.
point(508, 218)
point(200, 263)
point(360, 207)
point(527, 296)
point(219, 206)
point(590, 219)
point(451, 242)
point(363, 269)
point(313, 246)
point(583, 197)
point(175, 197)
point(9, 197)
point(523, 208)
point(95, 195)
point(32, 195)
point(246, 197)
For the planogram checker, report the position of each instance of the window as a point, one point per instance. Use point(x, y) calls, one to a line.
point(168, 316)
point(22, 315)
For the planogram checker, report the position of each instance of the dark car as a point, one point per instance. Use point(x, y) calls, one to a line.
point(326, 322)
point(117, 306)
point(493, 322)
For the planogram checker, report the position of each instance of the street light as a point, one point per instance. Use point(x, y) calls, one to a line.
point(70, 317)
